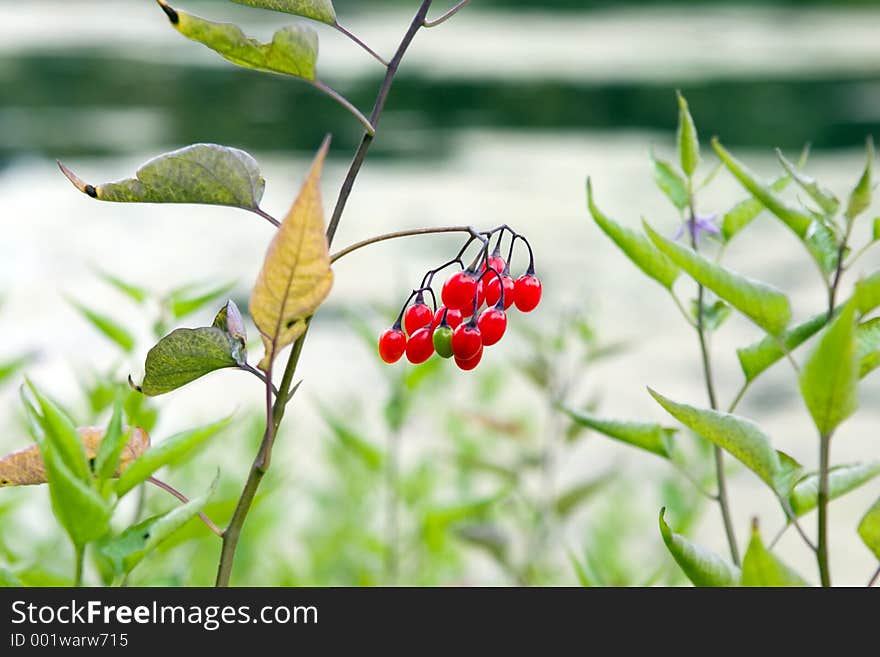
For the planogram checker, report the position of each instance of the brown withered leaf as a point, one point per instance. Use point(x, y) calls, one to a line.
point(25, 467)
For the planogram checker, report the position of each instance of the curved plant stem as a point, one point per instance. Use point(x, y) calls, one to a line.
point(449, 14)
point(397, 235)
point(78, 568)
point(158, 483)
point(343, 30)
point(268, 217)
point(275, 412)
point(342, 100)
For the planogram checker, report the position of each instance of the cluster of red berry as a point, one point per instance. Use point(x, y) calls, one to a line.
point(421, 330)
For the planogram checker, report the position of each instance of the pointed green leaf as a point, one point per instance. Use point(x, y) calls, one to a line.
point(370, 455)
point(764, 305)
point(319, 10)
point(842, 479)
point(188, 299)
point(135, 293)
point(645, 435)
point(868, 346)
point(670, 182)
point(108, 327)
point(206, 174)
point(829, 378)
point(760, 355)
point(821, 242)
point(688, 140)
point(570, 499)
point(112, 444)
point(127, 550)
point(292, 51)
point(186, 355)
point(823, 197)
point(638, 249)
point(869, 528)
point(867, 294)
point(61, 434)
point(740, 437)
point(762, 568)
point(169, 451)
point(702, 567)
point(10, 368)
point(860, 198)
point(745, 212)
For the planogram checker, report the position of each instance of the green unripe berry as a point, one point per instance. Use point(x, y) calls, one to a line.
point(443, 341)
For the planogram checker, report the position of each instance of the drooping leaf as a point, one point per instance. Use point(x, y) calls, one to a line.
point(169, 451)
point(702, 567)
point(740, 437)
point(572, 498)
point(490, 537)
point(186, 355)
point(644, 435)
point(830, 376)
point(319, 10)
point(188, 299)
point(296, 275)
point(292, 51)
point(764, 305)
point(109, 327)
point(868, 346)
point(824, 198)
point(134, 292)
point(688, 140)
point(25, 467)
point(762, 568)
point(867, 295)
point(670, 182)
point(206, 174)
point(869, 528)
point(842, 479)
point(128, 549)
point(636, 247)
point(860, 198)
point(760, 355)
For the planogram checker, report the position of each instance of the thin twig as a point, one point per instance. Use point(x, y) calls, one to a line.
point(874, 578)
point(183, 498)
point(268, 217)
point(347, 104)
point(397, 235)
point(449, 14)
point(247, 367)
point(363, 45)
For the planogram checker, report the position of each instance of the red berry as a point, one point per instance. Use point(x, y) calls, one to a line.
point(459, 290)
point(492, 324)
point(527, 293)
point(392, 344)
point(453, 318)
point(493, 291)
point(471, 363)
point(466, 341)
point(420, 346)
point(417, 316)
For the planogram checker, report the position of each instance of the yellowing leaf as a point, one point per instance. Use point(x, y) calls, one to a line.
point(296, 275)
point(26, 467)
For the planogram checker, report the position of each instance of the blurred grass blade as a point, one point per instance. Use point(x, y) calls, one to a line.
point(137, 294)
point(762, 568)
point(759, 356)
point(670, 182)
point(580, 570)
point(371, 456)
point(9, 368)
point(61, 434)
point(319, 10)
point(823, 197)
point(830, 376)
point(108, 327)
point(766, 306)
point(168, 452)
point(569, 500)
point(702, 567)
point(687, 138)
point(651, 437)
point(842, 479)
point(188, 299)
point(869, 528)
point(636, 247)
point(860, 198)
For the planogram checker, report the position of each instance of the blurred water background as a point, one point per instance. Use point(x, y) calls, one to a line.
point(498, 116)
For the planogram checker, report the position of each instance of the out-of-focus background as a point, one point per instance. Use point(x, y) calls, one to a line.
point(497, 117)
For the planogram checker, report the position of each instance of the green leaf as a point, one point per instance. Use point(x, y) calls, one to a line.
point(636, 247)
point(112, 444)
point(371, 456)
point(823, 197)
point(571, 499)
point(714, 314)
point(10, 368)
point(867, 295)
point(688, 141)
point(109, 327)
point(580, 570)
point(702, 567)
point(746, 211)
point(319, 10)
point(188, 299)
point(869, 528)
point(868, 346)
point(821, 242)
point(439, 519)
point(760, 355)
point(9, 579)
point(186, 355)
point(765, 305)
point(644, 435)
point(829, 378)
point(860, 198)
point(670, 182)
point(61, 434)
point(876, 232)
point(292, 51)
point(206, 174)
point(127, 550)
point(740, 437)
point(842, 479)
point(169, 451)
point(762, 568)
point(135, 293)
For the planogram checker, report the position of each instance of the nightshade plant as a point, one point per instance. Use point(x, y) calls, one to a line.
point(847, 349)
point(295, 279)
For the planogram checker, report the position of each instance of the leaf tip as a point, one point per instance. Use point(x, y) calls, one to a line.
point(172, 14)
point(134, 386)
point(77, 182)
